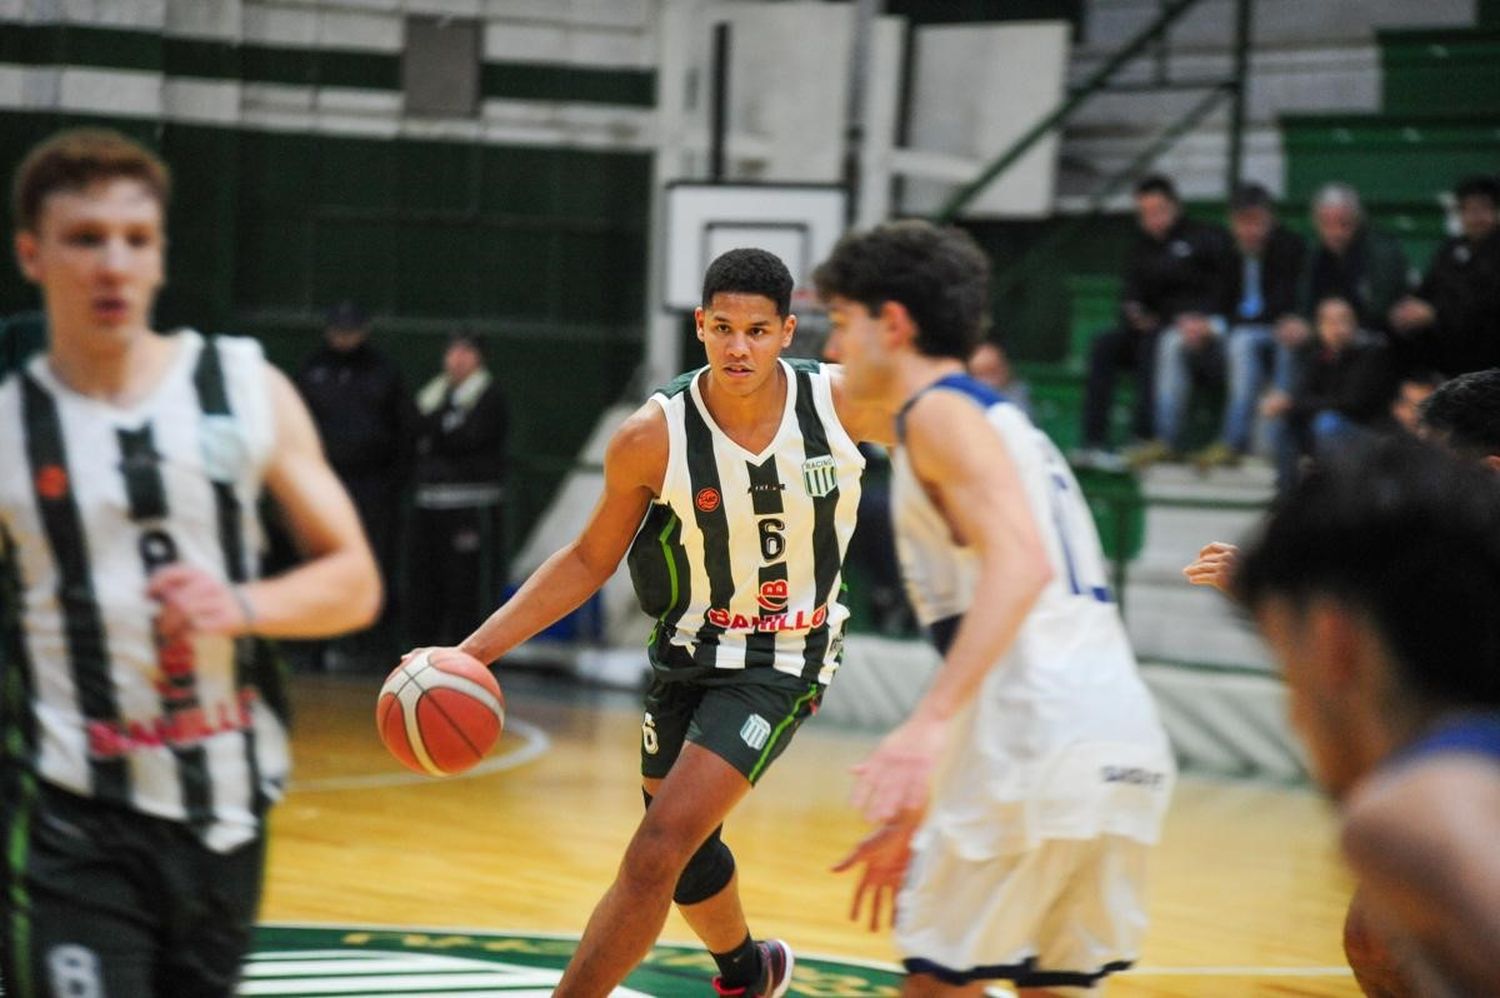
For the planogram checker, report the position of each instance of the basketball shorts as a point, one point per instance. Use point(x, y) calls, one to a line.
point(113, 902)
point(747, 724)
point(1062, 915)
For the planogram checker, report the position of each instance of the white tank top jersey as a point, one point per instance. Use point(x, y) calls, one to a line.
point(740, 559)
point(92, 499)
point(1063, 739)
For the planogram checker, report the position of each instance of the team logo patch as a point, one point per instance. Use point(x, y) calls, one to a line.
point(820, 475)
point(773, 594)
point(755, 731)
point(395, 961)
point(707, 500)
point(52, 481)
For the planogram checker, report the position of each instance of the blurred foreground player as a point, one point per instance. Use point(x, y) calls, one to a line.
point(141, 727)
point(1375, 585)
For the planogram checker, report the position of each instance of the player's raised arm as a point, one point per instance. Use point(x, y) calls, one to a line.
point(634, 465)
point(338, 588)
point(969, 473)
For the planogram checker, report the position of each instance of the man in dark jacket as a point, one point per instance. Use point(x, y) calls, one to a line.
point(457, 532)
point(1176, 275)
point(365, 417)
point(1262, 288)
point(1347, 260)
point(1453, 318)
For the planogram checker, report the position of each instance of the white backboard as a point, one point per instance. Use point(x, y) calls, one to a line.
point(800, 223)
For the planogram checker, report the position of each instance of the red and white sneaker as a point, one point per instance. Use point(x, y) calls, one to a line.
point(777, 960)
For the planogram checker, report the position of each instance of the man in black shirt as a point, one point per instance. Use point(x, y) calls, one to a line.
point(365, 417)
point(1262, 288)
point(1176, 274)
point(1453, 318)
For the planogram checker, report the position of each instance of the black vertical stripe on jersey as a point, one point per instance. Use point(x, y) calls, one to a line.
point(141, 466)
point(213, 399)
point(146, 493)
point(825, 538)
point(703, 473)
point(765, 497)
point(17, 719)
point(83, 624)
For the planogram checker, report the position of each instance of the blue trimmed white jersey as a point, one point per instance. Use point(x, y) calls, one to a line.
point(741, 558)
point(1063, 727)
point(94, 498)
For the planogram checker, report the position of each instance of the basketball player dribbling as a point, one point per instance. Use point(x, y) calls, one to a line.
point(1017, 803)
point(734, 490)
point(141, 730)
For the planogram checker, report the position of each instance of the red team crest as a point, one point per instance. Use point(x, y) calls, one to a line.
point(52, 481)
point(773, 593)
point(707, 500)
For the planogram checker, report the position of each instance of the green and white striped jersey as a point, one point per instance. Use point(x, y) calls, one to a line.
point(740, 559)
point(93, 498)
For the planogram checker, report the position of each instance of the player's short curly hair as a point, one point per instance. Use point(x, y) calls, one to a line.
point(73, 159)
point(1464, 413)
point(749, 272)
point(940, 276)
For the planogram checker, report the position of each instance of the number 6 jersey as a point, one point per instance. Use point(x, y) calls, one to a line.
point(740, 559)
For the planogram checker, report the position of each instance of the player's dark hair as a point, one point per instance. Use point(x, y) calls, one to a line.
point(77, 157)
point(1408, 536)
point(1481, 185)
point(1156, 183)
point(749, 272)
point(1464, 413)
point(940, 275)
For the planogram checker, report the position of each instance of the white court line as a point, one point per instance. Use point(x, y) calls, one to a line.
point(535, 743)
point(1238, 972)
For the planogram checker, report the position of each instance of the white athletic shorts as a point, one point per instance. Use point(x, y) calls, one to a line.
point(1061, 915)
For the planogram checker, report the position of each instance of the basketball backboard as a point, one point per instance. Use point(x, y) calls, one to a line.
point(798, 222)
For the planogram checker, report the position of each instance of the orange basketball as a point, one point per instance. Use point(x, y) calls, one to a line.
point(440, 712)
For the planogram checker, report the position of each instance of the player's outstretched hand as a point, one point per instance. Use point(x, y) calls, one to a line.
point(1214, 567)
point(195, 601)
point(885, 854)
point(897, 775)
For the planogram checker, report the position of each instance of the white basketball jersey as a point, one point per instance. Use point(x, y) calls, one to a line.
point(93, 498)
point(1063, 735)
point(740, 560)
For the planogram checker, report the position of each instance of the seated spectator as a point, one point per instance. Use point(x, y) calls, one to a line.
point(1349, 260)
point(1452, 320)
point(457, 547)
point(1343, 394)
point(988, 363)
point(1262, 287)
point(1175, 277)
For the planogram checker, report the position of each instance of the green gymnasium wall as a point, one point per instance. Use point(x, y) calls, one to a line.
point(543, 249)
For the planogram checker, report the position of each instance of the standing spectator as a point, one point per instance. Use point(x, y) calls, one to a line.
point(1411, 395)
point(989, 364)
point(1348, 260)
point(1261, 289)
point(462, 427)
point(1453, 318)
point(364, 414)
point(1347, 389)
point(1175, 277)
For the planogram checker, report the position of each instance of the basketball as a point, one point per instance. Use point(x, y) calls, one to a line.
point(440, 712)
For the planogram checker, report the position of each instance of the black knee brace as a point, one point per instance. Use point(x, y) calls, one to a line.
point(707, 873)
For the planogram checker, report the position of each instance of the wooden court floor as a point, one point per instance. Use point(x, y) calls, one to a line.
point(1247, 894)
